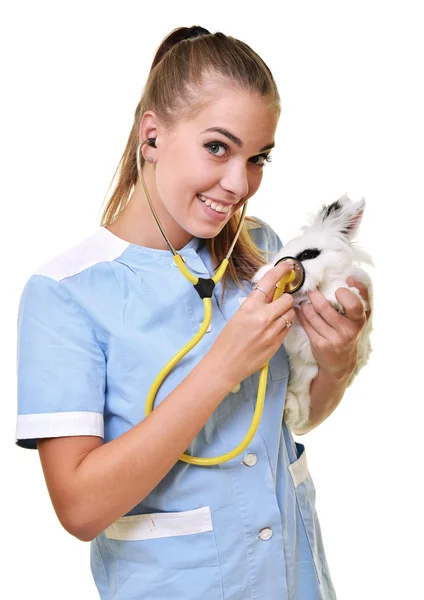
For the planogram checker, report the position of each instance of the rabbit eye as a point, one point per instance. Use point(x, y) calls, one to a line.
point(308, 254)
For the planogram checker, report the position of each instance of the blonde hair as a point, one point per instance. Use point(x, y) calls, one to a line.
point(181, 61)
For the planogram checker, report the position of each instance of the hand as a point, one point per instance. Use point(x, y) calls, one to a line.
point(255, 331)
point(334, 337)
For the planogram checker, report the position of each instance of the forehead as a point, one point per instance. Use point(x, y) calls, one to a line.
point(247, 115)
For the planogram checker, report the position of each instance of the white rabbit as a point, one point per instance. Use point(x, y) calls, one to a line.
point(329, 255)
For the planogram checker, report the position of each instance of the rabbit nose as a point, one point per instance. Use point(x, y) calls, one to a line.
point(299, 279)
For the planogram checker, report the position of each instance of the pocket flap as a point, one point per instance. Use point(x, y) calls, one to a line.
point(299, 469)
point(158, 525)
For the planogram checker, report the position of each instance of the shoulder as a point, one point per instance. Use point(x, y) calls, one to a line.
point(102, 246)
point(263, 235)
point(79, 275)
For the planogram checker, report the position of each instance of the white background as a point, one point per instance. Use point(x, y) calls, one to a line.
point(350, 76)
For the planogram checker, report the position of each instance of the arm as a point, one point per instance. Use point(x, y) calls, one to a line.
point(92, 484)
point(334, 343)
point(326, 393)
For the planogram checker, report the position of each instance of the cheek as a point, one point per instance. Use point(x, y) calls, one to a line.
point(202, 178)
point(314, 275)
point(254, 180)
point(190, 175)
point(177, 180)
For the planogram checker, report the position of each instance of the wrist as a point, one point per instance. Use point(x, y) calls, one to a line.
point(218, 371)
point(338, 376)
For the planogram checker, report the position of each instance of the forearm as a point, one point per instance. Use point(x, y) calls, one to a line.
point(116, 476)
point(334, 339)
point(326, 392)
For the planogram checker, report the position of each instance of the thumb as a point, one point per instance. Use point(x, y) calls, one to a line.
point(270, 280)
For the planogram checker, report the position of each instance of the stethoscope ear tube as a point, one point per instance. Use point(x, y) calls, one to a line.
point(204, 288)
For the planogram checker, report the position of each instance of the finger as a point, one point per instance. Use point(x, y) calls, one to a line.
point(353, 307)
point(281, 305)
point(310, 331)
point(363, 291)
point(269, 281)
point(316, 321)
point(324, 309)
point(285, 320)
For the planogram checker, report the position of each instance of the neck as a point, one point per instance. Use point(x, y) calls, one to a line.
point(136, 223)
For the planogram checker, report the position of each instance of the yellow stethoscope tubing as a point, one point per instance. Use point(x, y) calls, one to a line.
point(207, 304)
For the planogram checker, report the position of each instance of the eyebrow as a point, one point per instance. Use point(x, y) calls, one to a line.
point(237, 141)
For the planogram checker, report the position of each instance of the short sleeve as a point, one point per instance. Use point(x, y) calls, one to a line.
point(61, 368)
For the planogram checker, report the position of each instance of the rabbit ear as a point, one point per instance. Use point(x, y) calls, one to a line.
point(343, 216)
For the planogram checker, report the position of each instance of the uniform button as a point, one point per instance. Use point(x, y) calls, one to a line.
point(209, 328)
point(265, 533)
point(235, 389)
point(250, 459)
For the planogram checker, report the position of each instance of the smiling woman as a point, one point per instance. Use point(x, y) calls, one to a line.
point(211, 66)
point(192, 164)
point(99, 322)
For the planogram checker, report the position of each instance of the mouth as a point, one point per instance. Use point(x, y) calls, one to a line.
point(215, 205)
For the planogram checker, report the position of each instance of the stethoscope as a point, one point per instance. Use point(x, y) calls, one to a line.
point(204, 287)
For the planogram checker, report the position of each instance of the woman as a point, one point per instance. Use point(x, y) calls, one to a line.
point(98, 323)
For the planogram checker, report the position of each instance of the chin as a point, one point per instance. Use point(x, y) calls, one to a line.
point(211, 231)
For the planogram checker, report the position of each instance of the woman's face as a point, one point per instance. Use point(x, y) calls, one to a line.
point(218, 156)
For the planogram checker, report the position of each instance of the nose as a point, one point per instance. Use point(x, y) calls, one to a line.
point(235, 179)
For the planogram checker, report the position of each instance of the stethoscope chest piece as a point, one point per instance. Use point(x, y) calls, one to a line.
point(293, 286)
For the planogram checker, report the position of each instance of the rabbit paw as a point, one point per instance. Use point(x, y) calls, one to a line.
point(335, 303)
point(338, 307)
point(291, 409)
point(355, 291)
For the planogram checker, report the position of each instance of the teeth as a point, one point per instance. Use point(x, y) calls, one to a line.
point(218, 207)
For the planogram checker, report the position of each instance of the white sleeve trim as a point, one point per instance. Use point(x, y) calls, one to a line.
point(159, 525)
point(59, 425)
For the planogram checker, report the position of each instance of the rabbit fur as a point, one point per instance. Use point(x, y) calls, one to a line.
point(329, 255)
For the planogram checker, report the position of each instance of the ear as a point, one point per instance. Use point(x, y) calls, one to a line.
point(148, 126)
point(343, 215)
point(355, 217)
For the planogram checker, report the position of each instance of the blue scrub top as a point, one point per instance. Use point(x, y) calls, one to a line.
point(96, 325)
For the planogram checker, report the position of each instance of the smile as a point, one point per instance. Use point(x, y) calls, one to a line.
point(215, 205)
